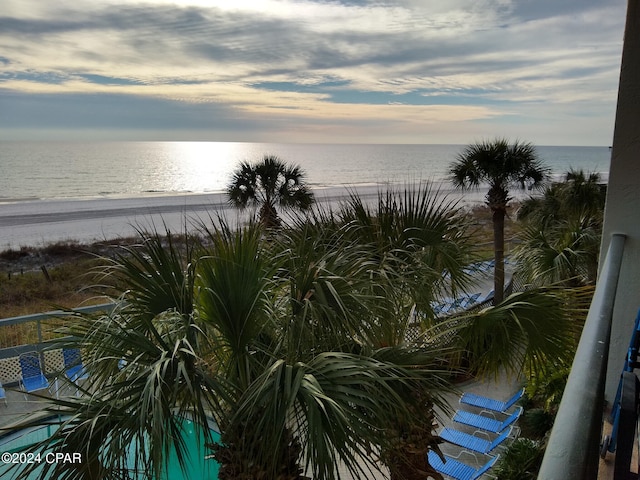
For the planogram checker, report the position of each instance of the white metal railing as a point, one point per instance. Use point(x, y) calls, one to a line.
point(37, 319)
point(573, 447)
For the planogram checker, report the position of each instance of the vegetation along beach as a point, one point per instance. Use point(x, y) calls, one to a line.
point(39, 233)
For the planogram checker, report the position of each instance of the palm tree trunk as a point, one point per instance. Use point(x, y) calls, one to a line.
point(269, 216)
point(498, 251)
point(406, 455)
point(239, 460)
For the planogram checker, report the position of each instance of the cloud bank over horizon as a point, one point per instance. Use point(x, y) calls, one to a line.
point(396, 71)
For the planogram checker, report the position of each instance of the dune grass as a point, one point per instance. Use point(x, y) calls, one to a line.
point(34, 280)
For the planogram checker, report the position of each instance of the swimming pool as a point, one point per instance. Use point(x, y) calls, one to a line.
point(199, 464)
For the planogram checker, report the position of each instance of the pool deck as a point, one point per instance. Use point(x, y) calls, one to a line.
point(17, 406)
point(501, 388)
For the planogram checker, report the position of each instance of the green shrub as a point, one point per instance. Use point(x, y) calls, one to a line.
point(543, 394)
point(537, 422)
point(521, 461)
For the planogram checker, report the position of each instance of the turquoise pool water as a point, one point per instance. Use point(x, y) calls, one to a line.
point(198, 466)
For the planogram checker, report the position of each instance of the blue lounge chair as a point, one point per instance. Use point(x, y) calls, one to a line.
point(490, 403)
point(486, 266)
point(489, 296)
point(3, 394)
point(486, 423)
point(456, 469)
point(471, 442)
point(32, 379)
point(469, 300)
point(73, 367)
point(473, 299)
point(444, 305)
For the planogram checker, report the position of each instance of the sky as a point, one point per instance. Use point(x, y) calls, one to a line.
point(311, 71)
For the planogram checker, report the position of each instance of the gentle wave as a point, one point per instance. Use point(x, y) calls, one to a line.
point(50, 170)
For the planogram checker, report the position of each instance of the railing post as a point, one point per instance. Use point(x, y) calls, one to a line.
point(39, 329)
point(573, 447)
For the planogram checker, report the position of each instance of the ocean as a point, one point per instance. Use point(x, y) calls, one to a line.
point(64, 170)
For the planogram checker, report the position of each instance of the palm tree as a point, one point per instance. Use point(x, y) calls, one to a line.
point(565, 252)
point(578, 195)
point(561, 238)
point(399, 255)
point(268, 184)
point(241, 332)
point(523, 333)
point(502, 166)
point(420, 242)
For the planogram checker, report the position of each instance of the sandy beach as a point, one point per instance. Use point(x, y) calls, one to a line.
point(35, 223)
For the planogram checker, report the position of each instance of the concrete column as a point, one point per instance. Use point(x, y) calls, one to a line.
point(622, 211)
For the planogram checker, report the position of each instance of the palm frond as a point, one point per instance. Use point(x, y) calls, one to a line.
point(157, 274)
point(500, 164)
point(336, 403)
point(420, 241)
point(328, 278)
point(233, 297)
point(522, 332)
point(141, 383)
point(565, 251)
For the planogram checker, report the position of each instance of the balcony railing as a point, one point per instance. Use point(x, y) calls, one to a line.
point(573, 447)
point(28, 333)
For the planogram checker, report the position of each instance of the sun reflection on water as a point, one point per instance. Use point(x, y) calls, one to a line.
point(201, 166)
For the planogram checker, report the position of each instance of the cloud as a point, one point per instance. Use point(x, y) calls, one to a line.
point(312, 57)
